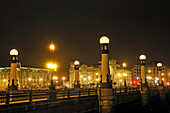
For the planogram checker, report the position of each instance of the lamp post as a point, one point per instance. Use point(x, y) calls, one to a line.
point(30, 83)
point(76, 82)
point(159, 65)
point(144, 85)
point(124, 74)
point(63, 78)
point(105, 74)
point(13, 72)
point(52, 67)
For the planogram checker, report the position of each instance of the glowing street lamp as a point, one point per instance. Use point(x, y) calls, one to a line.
point(124, 65)
point(52, 67)
point(77, 82)
point(144, 85)
point(143, 75)
point(159, 66)
point(52, 47)
point(105, 74)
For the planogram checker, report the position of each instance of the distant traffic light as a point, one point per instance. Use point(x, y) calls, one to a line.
point(134, 82)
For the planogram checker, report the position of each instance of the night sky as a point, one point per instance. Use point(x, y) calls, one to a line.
point(75, 26)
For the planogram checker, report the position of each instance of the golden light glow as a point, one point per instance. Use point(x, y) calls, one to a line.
point(13, 52)
point(119, 74)
point(120, 80)
point(97, 73)
point(142, 57)
point(97, 79)
point(163, 74)
point(156, 78)
point(4, 80)
point(29, 79)
point(149, 71)
point(63, 78)
point(124, 74)
point(104, 40)
point(124, 65)
point(41, 79)
point(55, 78)
point(149, 77)
point(52, 47)
point(52, 66)
point(76, 62)
point(159, 64)
point(163, 79)
point(81, 76)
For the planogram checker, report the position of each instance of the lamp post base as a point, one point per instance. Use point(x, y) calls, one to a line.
point(13, 87)
point(144, 87)
point(77, 86)
point(106, 85)
point(52, 87)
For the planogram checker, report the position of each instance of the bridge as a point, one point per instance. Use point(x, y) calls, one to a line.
point(70, 100)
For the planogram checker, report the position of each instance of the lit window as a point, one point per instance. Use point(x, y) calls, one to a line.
point(84, 79)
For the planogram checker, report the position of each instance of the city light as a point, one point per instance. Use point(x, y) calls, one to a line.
point(124, 74)
point(29, 79)
point(52, 66)
point(52, 47)
point(63, 78)
point(124, 65)
point(119, 74)
point(149, 77)
point(134, 82)
point(55, 78)
point(149, 71)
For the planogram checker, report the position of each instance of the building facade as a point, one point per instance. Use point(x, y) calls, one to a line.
point(27, 77)
point(89, 76)
point(151, 71)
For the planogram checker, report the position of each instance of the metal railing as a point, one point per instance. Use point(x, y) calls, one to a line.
point(125, 89)
point(42, 95)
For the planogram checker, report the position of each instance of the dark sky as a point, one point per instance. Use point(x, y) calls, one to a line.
point(75, 26)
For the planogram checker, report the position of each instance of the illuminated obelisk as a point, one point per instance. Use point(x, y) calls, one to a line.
point(13, 72)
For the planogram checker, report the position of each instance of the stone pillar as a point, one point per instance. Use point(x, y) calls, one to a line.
point(105, 92)
point(145, 94)
point(161, 87)
point(77, 82)
point(13, 72)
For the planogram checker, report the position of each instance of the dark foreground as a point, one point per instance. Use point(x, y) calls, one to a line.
point(155, 106)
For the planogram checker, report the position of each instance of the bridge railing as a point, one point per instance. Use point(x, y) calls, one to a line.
point(125, 89)
point(42, 95)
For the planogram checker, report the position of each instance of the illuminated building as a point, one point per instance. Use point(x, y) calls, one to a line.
point(151, 73)
point(90, 75)
point(27, 77)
